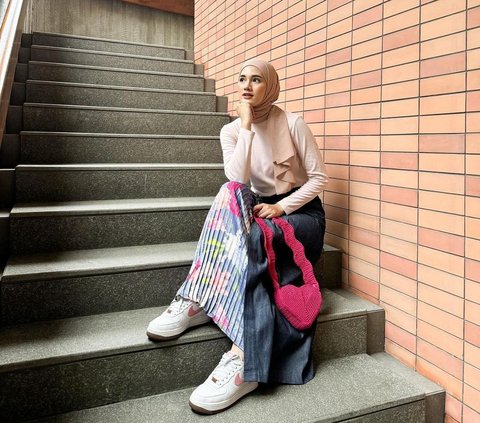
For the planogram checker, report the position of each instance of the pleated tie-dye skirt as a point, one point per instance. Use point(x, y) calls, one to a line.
point(218, 274)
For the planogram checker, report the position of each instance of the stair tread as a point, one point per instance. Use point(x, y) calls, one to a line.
point(116, 135)
point(72, 339)
point(344, 388)
point(64, 264)
point(118, 166)
point(110, 206)
point(97, 261)
point(109, 40)
point(109, 53)
point(118, 87)
point(121, 109)
point(112, 69)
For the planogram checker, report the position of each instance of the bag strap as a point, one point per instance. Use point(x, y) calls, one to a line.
point(295, 245)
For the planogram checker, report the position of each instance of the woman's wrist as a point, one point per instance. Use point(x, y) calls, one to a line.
point(245, 124)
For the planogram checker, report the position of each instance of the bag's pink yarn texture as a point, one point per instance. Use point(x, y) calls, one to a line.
point(299, 304)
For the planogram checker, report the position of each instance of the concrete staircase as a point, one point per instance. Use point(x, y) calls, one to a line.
point(117, 161)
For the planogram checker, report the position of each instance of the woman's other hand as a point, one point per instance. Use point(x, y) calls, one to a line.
point(268, 211)
point(245, 113)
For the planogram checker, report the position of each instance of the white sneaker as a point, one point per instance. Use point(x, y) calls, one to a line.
point(179, 316)
point(223, 388)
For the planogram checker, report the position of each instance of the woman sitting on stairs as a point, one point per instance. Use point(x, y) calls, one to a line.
point(276, 154)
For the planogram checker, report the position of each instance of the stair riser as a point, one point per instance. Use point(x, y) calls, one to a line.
point(98, 45)
point(413, 412)
point(123, 62)
point(61, 233)
point(53, 72)
point(52, 149)
point(38, 118)
point(93, 96)
point(101, 185)
point(89, 383)
point(82, 296)
point(27, 301)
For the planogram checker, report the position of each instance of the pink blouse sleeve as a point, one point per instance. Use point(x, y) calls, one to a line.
point(312, 161)
point(237, 149)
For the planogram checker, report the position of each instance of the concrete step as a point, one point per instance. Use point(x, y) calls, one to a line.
point(48, 71)
point(115, 96)
point(47, 183)
point(10, 151)
point(434, 394)
point(17, 97)
point(71, 147)
point(82, 225)
point(355, 389)
point(21, 72)
point(67, 118)
point(4, 234)
point(95, 360)
point(101, 44)
point(7, 188)
point(110, 60)
point(83, 282)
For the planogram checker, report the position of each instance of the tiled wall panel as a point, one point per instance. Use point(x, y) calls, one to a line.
point(391, 91)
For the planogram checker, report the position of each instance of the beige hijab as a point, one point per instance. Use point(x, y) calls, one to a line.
point(283, 150)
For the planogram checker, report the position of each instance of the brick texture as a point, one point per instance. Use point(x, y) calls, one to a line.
point(391, 91)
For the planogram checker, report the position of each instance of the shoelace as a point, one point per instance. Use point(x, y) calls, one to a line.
point(178, 305)
point(228, 365)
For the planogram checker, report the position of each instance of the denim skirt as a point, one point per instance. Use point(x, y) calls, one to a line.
point(229, 279)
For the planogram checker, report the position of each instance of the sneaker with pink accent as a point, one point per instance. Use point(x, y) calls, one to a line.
point(223, 388)
point(178, 317)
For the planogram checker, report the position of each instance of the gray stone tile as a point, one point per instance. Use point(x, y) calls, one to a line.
point(351, 388)
point(114, 96)
point(118, 60)
point(90, 43)
point(62, 183)
point(66, 72)
point(51, 148)
point(68, 118)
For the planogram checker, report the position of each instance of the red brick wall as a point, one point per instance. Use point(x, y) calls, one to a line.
point(391, 90)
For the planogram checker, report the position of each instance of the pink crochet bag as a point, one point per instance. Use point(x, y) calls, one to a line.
point(299, 305)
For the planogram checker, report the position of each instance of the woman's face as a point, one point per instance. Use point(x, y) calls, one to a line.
point(251, 86)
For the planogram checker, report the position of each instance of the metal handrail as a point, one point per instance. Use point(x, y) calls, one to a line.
point(10, 39)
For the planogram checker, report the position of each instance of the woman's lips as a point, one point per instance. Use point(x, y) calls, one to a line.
point(247, 96)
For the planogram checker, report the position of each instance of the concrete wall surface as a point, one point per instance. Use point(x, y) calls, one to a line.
point(112, 19)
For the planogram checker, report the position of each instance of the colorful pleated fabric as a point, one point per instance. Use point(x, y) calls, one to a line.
point(218, 274)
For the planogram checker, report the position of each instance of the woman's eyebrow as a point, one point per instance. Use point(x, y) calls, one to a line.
point(253, 76)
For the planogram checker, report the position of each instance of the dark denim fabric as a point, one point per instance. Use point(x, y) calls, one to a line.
point(276, 352)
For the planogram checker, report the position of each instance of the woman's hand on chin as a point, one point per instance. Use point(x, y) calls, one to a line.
point(245, 113)
point(268, 211)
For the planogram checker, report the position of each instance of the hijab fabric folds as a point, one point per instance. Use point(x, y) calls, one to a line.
point(283, 149)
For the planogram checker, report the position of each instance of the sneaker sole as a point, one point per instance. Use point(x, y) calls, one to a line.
point(222, 406)
point(157, 337)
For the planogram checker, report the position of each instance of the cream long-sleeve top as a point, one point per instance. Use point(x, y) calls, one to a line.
point(247, 157)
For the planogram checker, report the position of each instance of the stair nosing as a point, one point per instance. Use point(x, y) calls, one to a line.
point(108, 207)
point(119, 109)
point(115, 135)
point(63, 356)
point(111, 53)
point(112, 260)
point(106, 68)
point(117, 87)
point(119, 166)
point(117, 261)
point(84, 37)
